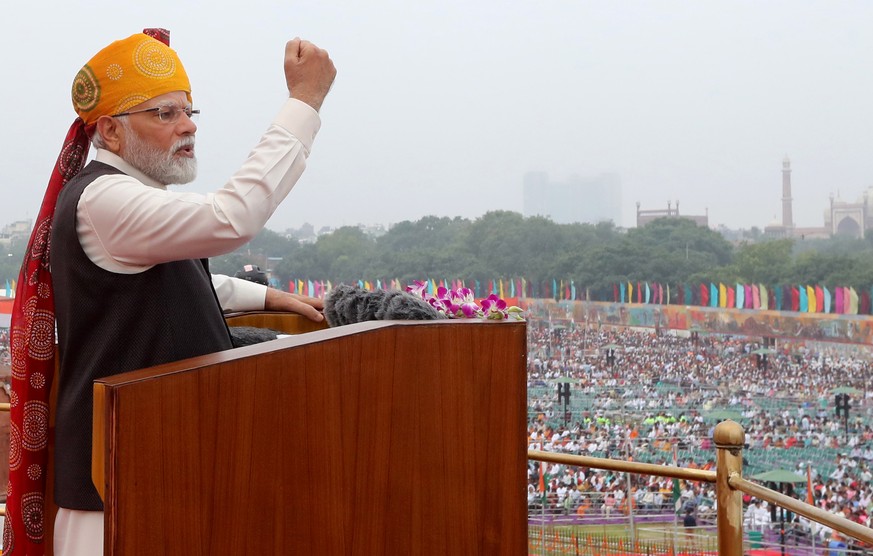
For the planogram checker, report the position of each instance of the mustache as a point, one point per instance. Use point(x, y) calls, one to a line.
point(183, 143)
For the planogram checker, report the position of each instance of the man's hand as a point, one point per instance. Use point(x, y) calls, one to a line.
point(309, 307)
point(309, 72)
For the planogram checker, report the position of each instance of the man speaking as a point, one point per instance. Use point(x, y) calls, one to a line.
point(128, 284)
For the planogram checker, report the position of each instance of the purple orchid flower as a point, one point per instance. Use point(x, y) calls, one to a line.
point(461, 303)
point(465, 303)
point(494, 308)
point(418, 288)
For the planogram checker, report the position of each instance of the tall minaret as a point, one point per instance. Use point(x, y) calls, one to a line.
point(787, 220)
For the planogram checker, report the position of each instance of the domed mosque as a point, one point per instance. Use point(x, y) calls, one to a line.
point(841, 218)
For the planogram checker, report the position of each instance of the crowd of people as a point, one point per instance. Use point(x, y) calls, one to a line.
point(656, 397)
point(5, 359)
point(642, 396)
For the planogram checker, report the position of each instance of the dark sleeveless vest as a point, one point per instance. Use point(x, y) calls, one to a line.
point(110, 323)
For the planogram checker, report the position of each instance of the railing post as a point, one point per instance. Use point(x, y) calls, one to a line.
point(729, 437)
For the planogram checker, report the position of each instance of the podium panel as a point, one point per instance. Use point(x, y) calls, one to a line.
point(394, 438)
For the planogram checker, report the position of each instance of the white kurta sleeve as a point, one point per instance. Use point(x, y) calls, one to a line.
point(127, 223)
point(238, 295)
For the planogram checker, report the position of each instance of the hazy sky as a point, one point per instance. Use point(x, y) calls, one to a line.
point(441, 107)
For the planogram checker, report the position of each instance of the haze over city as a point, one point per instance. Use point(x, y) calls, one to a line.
point(442, 107)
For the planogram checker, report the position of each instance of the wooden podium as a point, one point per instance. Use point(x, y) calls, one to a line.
point(394, 438)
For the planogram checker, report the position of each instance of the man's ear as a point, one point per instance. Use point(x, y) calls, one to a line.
point(112, 133)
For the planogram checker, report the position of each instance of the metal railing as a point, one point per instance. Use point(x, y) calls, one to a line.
point(729, 485)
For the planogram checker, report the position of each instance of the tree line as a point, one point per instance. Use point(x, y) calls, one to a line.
point(503, 244)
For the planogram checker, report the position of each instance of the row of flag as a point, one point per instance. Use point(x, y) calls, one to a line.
point(801, 298)
point(504, 287)
point(10, 289)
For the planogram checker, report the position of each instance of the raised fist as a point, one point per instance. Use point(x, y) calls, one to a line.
point(309, 72)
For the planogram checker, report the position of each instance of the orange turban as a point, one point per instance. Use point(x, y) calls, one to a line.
point(127, 73)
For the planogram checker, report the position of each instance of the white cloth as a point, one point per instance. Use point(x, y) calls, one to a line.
point(127, 223)
point(78, 533)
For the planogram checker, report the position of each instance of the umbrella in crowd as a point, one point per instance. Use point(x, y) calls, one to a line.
point(722, 415)
point(779, 476)
point(845, 390)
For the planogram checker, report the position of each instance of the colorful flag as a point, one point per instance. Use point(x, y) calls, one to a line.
point(809, 497)
point(677, 493)
point(622, 290)
point(648, 293)
point(765, 297)
point(713, 295)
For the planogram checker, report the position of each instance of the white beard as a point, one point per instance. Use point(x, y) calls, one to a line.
point(161, 166)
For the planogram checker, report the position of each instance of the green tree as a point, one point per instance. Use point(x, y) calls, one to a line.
point(767, 262)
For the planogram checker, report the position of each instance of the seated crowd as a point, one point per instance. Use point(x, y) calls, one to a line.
point(658, 398)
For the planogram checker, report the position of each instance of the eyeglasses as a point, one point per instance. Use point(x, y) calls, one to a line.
point(167, 114)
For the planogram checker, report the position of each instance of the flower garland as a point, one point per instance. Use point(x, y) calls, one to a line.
point(461, 303)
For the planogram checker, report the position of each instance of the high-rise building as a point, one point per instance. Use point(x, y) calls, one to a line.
point(583, 200)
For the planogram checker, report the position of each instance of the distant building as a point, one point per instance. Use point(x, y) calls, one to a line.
point(841, 218)
point(15, 231)
point(373, 230)
point(577, 200)
point(646, 216)
point(844, 218)
point(308, 234)
point(784, 228)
